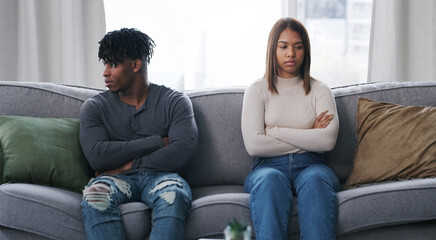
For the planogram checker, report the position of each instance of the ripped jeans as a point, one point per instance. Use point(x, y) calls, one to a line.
point(167, 194)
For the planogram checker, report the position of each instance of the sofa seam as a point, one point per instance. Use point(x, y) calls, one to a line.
point(205, 92)
point(207, 235)
point(46, 90)
point(390, 191)
point(384, 89)
point(202, 205)
point(379, 224)
point(28, 231)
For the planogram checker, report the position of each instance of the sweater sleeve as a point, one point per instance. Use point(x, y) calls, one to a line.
point(256, 142)
point(103, 153)
point(314, 140)
point(183, 136)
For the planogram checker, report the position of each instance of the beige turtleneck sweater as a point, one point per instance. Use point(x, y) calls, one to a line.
point(280, 124)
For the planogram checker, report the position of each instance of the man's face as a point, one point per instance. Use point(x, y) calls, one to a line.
point(119, 77)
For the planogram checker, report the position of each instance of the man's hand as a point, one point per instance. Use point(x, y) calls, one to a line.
point(116, 171)
point(323, 120)
point(166, 141)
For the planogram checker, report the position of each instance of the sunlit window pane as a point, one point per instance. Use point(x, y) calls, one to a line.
point(210, 43)
point(339, 31)
point(201, 43)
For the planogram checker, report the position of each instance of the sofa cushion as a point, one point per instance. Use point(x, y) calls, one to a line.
point(386, 204)
point(394, 142)
point(56, 214)
point(217, 210)
point(43, 151)
point(42, 210)
point(136, 219)
point(224, 203)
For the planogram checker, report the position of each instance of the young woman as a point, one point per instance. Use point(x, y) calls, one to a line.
point(288, 120)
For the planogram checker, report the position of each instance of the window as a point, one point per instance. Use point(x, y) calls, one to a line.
point(339, 32)
point(209, 43)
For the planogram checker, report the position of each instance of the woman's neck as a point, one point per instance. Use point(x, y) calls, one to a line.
point(289, 82)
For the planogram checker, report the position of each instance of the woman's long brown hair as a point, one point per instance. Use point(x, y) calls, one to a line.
point(271, 73)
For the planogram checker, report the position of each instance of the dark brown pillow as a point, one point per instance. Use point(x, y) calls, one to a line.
point(394, 142)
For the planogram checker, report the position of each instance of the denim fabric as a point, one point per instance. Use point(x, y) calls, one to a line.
point(273, 183)
point(167, 194)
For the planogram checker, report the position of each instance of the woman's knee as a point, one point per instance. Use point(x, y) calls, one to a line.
point(318, 175)
point(267, 179)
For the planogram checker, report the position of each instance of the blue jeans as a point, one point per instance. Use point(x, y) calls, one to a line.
point(273, 183)
point(167, 194)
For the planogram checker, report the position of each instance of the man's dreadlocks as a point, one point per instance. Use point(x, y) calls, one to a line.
point(125, 44)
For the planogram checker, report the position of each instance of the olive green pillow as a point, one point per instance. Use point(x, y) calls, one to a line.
point(394, 142)
point(42, 151)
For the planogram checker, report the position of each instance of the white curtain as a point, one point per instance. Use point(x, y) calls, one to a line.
point(403, 41)
point(51, 41)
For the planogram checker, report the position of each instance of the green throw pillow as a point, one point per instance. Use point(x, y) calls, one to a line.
point(42, 151)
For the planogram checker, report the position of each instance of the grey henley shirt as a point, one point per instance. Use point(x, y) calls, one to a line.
point(113, 133)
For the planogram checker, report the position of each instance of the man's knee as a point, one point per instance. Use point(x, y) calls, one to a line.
point(98, 195)
point(170, 190)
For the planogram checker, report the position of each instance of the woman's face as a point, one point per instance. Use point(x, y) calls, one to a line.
point(289, 53)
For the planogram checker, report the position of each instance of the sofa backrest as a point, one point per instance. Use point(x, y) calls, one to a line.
point(221, 158)
point(48, 100)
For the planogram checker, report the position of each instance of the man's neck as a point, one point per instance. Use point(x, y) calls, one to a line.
point(136, 95)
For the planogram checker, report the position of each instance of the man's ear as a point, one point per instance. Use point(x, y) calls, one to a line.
point(137, 65)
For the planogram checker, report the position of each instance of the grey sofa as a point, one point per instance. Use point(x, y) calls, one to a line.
point(391, 210)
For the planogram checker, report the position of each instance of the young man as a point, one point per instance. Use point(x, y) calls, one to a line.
point(135, 136)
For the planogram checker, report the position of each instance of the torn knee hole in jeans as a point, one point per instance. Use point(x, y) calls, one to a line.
point(168, 195)
point(98, 195)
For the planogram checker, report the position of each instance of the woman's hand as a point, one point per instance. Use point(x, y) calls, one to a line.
point(323, 120)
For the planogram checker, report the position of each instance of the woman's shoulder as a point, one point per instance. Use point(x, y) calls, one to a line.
point(258, 89)
point(261, 84)
point(318, 85)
